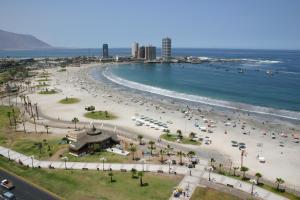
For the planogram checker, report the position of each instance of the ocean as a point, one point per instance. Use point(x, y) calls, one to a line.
point(217, 82)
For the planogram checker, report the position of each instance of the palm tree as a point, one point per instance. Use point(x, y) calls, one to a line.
point(133, 150)
point(180, 136)
point(258, 176)
point(140, 137)
point(180, 154)
point(75, 120)
point(192, 135)
point(244, 170)
point(47, 128)
point(279, 181)
point(9, 115)
point(106, 114)
point(190, 154)
point(141, 174)
point(151, 143)
point(168, 149)
point(40, 147)
point(167, 132)
point(34, 121)
point(212, 160)
point(161, 152)
point(220, 167)
point(234, 169)
point(133, 171)
point(111, 176)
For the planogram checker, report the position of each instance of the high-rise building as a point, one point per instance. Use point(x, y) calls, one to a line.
point(142, 52)
point(135, 50)
point(150, 52)
point(105, 51)
point(166, 49)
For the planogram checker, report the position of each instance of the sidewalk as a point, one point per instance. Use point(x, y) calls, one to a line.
point(189, 182)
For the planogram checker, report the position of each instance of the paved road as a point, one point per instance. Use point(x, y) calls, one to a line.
point(24, 190)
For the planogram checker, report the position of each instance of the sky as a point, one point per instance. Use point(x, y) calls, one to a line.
point(247, 24)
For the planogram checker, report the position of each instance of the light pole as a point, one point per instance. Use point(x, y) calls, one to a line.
point(103, 159)
point(252, 181)
point(143, 163)
point(169, 163)
point(8, 154)
point(210, 169)
point(65, 159)
point(32, 157)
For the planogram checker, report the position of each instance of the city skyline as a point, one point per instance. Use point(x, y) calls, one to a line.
point(197, 24)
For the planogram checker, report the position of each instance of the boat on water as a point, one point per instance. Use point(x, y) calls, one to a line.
point(269, 72)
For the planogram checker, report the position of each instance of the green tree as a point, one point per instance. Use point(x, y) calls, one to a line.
point(258, 176)
point(279, 181)
point(111, 176)
point(161, 153)
point(179, 133)
point(75, 120)
point(134, 172)
point(140, 137)
point(141, 174)
point(192, 135)
point(8, 114)
point(180, 154)
point(151, 147)
point(133, 149)
point(244, 170)
point(234, 170)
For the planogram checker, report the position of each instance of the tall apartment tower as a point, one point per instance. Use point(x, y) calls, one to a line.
point(150, 52)
point(135, 50)
point(166, 49)
point(142, 52)
point(105, 51)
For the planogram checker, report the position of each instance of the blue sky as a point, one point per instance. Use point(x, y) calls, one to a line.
point(262, 24)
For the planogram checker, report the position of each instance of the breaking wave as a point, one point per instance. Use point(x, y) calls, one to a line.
point(203, 100)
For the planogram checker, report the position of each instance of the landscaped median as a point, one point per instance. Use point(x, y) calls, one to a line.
point(182, 139)
point(68, 100)
point(211, 194)
point(100, 115)
point(48, 91)
point(77, 185)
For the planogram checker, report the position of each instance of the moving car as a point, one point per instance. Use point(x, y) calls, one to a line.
point(7, 184)
point(7, 196)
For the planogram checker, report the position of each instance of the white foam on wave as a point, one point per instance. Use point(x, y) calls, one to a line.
point(203, 100)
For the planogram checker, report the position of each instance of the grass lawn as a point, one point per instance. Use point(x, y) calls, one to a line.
point(173, 138)
point(48, 92)
point(102, 115)
point(110, 157)
point(209, 194)
point(267, 187)
point(40, 148)
point(93, 185)
point(69, 100)
point(26, 143)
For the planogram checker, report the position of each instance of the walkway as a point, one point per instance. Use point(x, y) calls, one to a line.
point(191, 180)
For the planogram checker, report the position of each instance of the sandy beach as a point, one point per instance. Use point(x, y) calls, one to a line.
point(280, 153)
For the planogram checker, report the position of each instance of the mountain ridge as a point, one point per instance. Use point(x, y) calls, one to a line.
point(16, 41)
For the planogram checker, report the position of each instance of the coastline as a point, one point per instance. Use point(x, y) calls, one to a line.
point(125, 102)
point(240, 107)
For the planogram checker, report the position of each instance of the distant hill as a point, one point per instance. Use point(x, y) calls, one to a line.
point(14, 41)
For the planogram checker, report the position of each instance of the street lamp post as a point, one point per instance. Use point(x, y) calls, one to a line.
point(65, 159)
point(103, 159)
point(169, 163)
point(8, 154)
point(252, 181)
point(32, 157)
point(210, 169)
